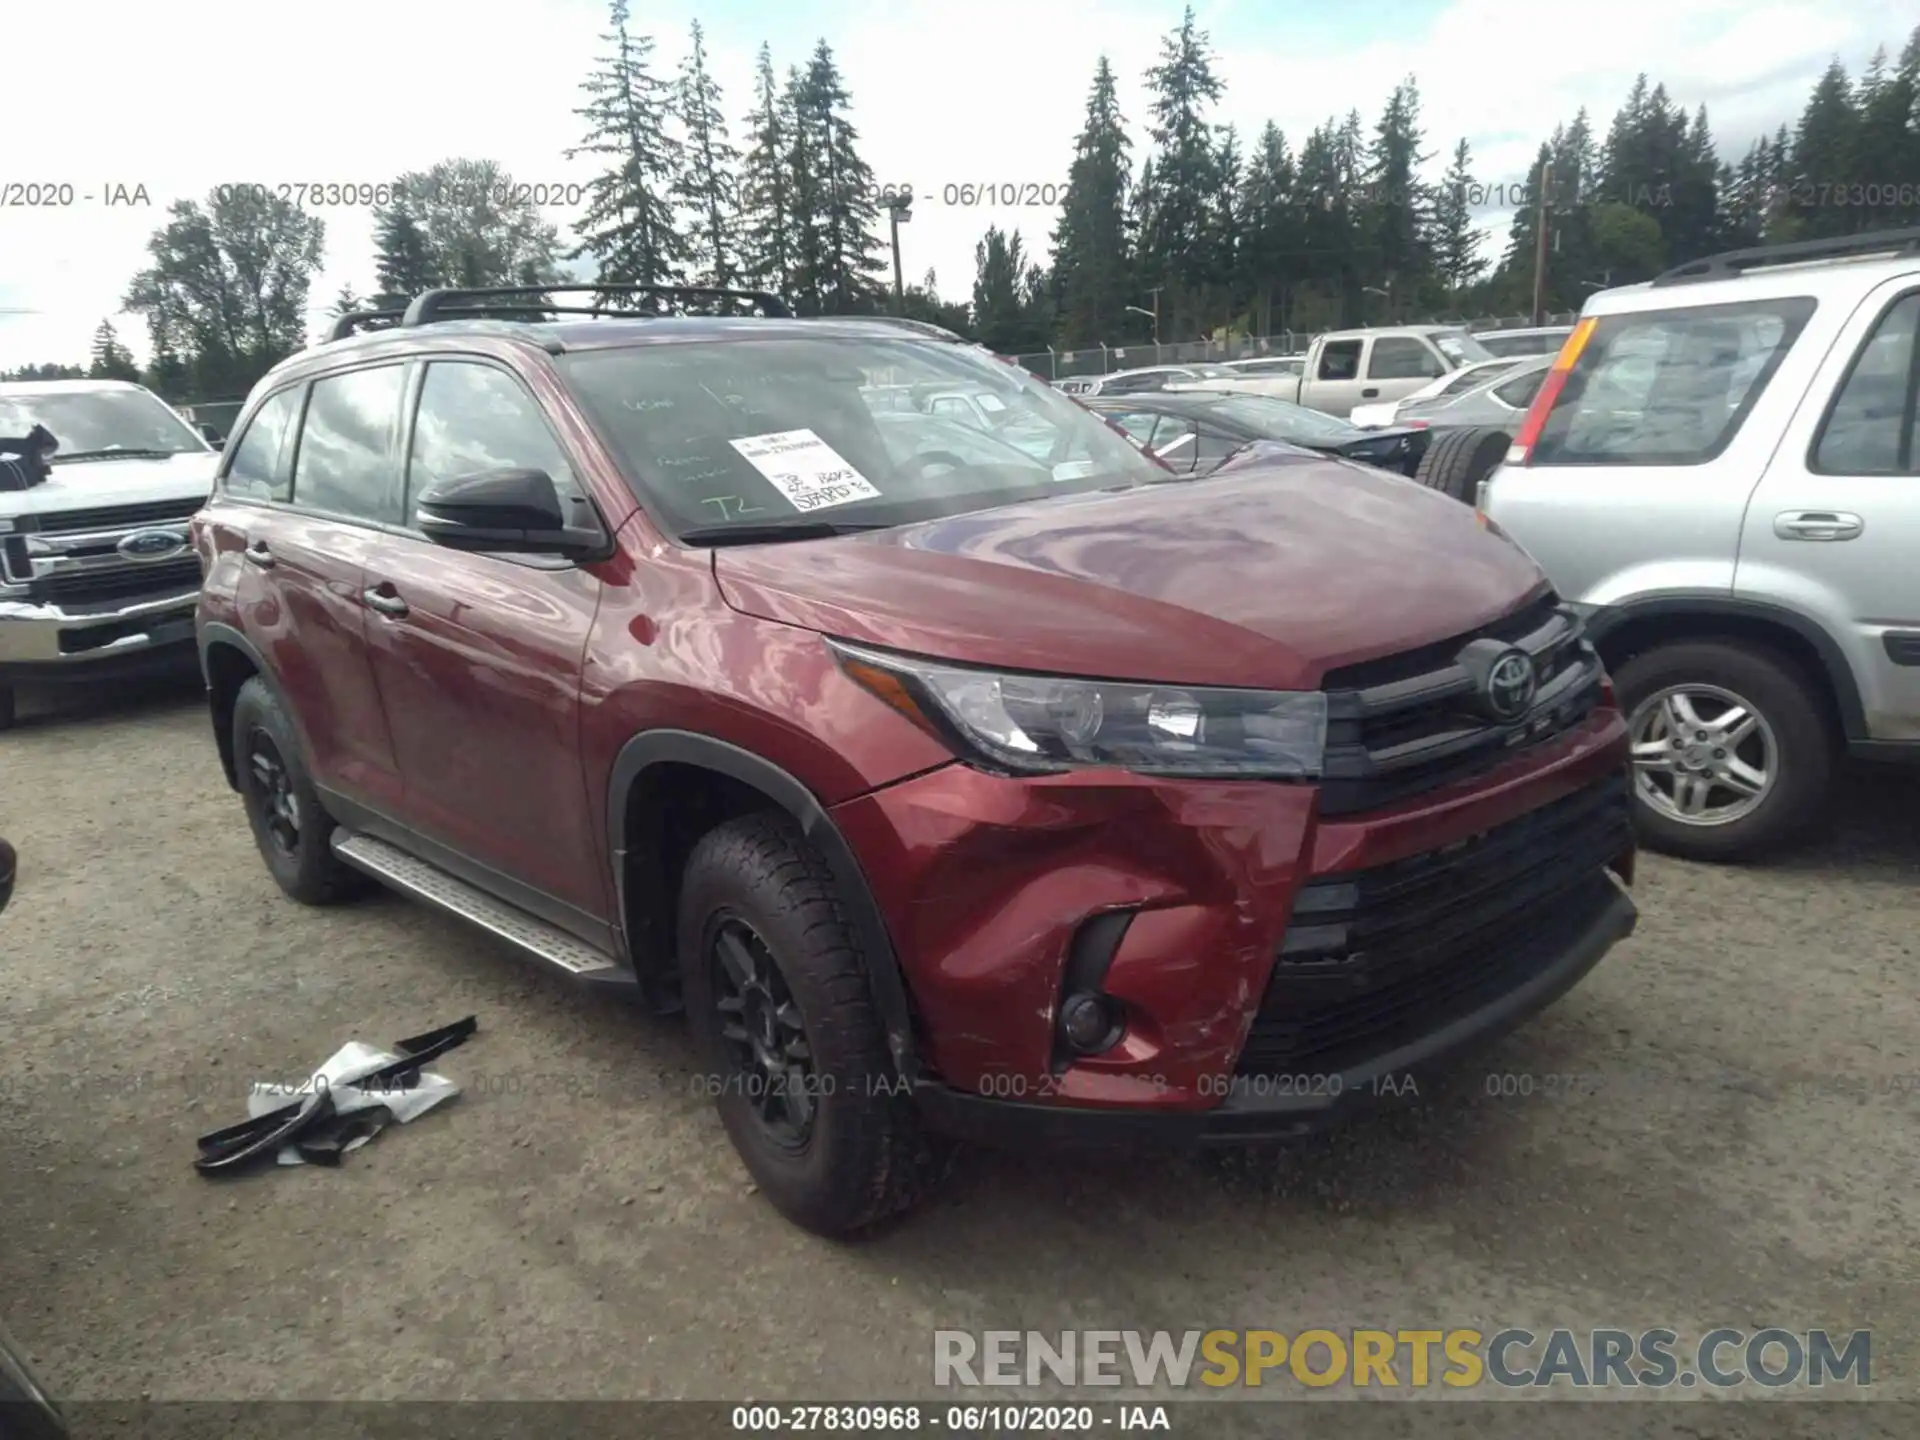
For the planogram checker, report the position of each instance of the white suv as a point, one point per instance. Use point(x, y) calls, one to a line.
point(1723, 468)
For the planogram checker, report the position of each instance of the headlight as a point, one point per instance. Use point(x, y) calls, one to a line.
point(1040, 724)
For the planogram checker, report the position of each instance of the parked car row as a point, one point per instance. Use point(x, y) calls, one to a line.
point(893, 715)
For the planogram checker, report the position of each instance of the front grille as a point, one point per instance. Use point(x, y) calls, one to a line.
point(1374, 959)
point(129, 582)
point(116, 517)
point(1400, 726)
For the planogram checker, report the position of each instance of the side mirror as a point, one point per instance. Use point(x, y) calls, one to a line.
point(9, 866)
point(505, 512)
point(212, 436)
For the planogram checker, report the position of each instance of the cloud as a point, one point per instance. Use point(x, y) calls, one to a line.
point(985, 93)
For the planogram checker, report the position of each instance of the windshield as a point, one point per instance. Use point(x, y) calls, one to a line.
point(861, 432)
point(92, 423)
point(1283, 420)
point(1461, 348)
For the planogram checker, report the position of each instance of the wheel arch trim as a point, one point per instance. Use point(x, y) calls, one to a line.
point(885, 978)
point(214, 633)
point(1607, 620)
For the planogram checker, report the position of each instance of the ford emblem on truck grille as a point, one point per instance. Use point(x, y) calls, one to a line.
point(152, 544)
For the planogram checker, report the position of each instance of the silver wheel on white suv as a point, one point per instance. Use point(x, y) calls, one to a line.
point(1702, 755)
point(1732, 746)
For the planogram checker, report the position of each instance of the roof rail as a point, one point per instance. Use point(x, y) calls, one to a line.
point(353, 320)
point(433, 304)
point(1734, 263)
point(902, 322)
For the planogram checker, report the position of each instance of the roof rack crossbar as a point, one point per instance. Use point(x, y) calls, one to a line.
point(428, 306)
point(1737, 262)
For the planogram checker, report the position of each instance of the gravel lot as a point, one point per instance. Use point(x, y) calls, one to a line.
point(1739, 1150)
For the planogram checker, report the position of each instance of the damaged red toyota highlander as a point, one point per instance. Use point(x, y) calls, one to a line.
point(978, 779)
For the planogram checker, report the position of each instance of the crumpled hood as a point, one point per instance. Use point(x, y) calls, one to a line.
point(87, 484)
point(1262, 575)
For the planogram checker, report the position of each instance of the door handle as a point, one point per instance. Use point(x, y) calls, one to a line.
point(1817, 525)
point(1372, 392)
point(386, 602)
point(258, 554)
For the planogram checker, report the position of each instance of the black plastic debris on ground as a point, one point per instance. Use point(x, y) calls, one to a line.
point(338, 1112)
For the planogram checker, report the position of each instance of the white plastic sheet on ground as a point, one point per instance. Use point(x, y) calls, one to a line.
point(351, 1062)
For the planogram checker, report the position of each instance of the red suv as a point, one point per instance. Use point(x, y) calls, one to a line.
point(969, 779)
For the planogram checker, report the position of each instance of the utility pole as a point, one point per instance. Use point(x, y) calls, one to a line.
point(1155, 292)
point(1540, 246)
point(899, 209)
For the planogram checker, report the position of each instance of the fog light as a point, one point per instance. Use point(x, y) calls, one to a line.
point(1091, 1023)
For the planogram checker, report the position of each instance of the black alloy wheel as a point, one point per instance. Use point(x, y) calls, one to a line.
point(763, 1035)
point(273, 792)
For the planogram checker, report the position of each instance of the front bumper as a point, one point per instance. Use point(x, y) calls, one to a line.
point(1288, 1107)
point(51, 641)
point(1189, 892)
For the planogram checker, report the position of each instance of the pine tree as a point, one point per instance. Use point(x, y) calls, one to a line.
point(628, 226)
point(1149, 269)
point(1270, 242)
point(1225, 226)
point(766, 187)
point(1090, 250)
point(1456, 243)
point(1009, 314)
point(1397, 214)
point(111, 360)
point(1888, 145)
point(806, 189)
point(1183, 85)
point(849, 278)
point(402, 266)
point(707, 183)
point(1824, 151)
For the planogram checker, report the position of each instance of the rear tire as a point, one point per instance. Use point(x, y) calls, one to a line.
point(291, 827)
point(8, 713)
point(1458, 460)
point(1790, 744)
point(768, 963)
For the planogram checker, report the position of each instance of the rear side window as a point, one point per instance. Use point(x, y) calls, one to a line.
point(1519, 392)
point(1398, 357)
point(1870, 429)
point(1460, 384)
point(256, 471)
point(1669, 387)
point(345, 461)
point(1340, 360)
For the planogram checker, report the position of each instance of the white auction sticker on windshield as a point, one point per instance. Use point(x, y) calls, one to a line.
point(805, 469)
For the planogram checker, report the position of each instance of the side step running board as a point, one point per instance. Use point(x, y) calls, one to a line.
point(393, 866)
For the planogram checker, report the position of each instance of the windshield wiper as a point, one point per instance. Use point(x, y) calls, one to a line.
point(788, 530)
point(115, 455)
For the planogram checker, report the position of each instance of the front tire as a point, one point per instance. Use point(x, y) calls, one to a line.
point(291, 827)
point(1733, 754)
point(794, 1048)
point(1456, 461)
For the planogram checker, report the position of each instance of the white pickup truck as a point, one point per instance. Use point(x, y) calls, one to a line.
point(97, 578)
point(1339, 371)
point(1360, 367)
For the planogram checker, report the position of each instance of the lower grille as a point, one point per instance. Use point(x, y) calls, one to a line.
point(1376, 958)
point(80, 587)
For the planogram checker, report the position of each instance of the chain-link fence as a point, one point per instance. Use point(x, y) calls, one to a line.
point(1105, 359)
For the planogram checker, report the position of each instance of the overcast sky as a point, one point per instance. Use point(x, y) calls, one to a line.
point(180, 97)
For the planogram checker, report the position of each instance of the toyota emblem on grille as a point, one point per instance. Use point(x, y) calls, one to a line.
point(1509, 685)
point(1503, 678)
point(152, 544)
